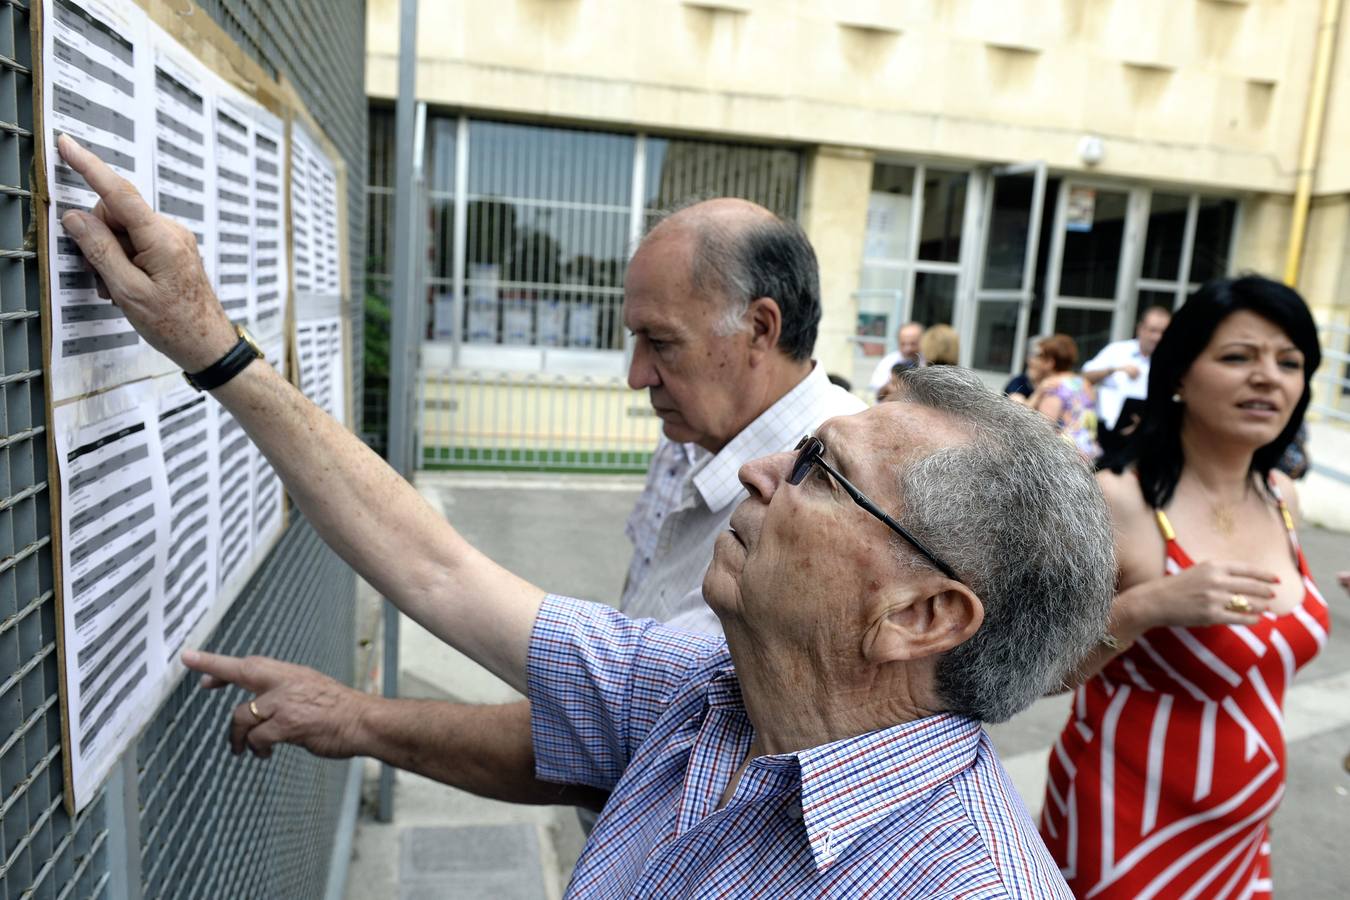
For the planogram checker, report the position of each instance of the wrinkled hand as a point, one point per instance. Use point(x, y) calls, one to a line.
point(149, 265)
point(1201, 595)
point(295, 704)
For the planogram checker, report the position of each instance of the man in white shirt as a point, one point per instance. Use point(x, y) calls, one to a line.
point(723, 300)
point(690, 494)
point(1120, 373)
point(907, 350)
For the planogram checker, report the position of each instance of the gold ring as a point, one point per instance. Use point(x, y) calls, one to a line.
point(253, 708)
point(1239, 604)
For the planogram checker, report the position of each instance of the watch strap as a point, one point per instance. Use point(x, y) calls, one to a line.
point(222, 370)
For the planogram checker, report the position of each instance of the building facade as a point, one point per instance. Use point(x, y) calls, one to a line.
point(1010, 167)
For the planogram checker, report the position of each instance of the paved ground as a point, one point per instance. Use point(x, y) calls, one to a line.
point(567, 534)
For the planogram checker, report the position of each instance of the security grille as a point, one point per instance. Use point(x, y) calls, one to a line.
point(209, 825)
point(524, 298)
point(42, 850)
point(212, 825)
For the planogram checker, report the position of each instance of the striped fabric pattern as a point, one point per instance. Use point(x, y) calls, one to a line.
point(667, 474)
point(655, 715)
point(1173, 759)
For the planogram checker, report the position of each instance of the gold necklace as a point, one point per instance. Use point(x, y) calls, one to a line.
point(1224, 516)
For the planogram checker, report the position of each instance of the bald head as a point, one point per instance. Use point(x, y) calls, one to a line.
point(740, 252)
point(727, 213)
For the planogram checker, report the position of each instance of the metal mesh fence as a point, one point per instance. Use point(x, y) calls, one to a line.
point(524, 365)
point(43, 852)
point(210, 825)
point(213, 825)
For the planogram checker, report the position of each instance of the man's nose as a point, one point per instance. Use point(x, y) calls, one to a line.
point(641, 372)
point(763, 476)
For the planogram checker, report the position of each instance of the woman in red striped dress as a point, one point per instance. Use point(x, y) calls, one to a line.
point(1172, 762)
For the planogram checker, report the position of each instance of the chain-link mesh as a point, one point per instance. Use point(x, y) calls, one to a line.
point(211, 825)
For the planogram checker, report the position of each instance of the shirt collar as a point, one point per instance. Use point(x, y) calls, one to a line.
point(774, 430)
point(849, 785)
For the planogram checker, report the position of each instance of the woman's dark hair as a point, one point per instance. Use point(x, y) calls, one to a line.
point(1155, 446)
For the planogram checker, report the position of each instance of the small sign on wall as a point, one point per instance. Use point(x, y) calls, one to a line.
point(1080, 208)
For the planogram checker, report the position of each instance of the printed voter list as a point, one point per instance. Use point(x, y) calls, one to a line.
point(183, 151)
point(165, 514)
point(166, 508)
point(113, 526)
point(98, 82)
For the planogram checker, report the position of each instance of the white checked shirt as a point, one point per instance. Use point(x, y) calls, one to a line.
point(689, 498)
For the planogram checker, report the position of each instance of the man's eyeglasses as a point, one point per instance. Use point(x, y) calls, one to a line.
point(809, 451)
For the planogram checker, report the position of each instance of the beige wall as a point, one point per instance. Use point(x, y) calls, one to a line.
point(1207, 92)
point(1202, 93)
point(1263, 234)
point(834, 210)
point(1324, 278)
point(1333, 176)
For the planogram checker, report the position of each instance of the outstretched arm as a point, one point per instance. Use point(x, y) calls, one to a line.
point(1097, 376)
point(373, 518)
point(486, 750)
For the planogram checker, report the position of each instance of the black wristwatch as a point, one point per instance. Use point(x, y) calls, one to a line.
point(229, 365)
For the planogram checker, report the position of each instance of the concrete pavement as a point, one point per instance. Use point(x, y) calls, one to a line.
point(566, 533)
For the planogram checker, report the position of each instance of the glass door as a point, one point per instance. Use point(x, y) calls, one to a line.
point(1006, 268)
point(1089, 275)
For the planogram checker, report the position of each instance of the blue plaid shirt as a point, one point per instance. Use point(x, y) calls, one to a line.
point(654, 715)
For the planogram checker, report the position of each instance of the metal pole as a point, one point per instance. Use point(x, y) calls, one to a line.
point(403, 315)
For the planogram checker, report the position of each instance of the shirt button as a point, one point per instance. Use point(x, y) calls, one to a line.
point(794, 810)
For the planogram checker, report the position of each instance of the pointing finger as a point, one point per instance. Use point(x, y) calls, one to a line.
point(123, 204)
point(216, 667)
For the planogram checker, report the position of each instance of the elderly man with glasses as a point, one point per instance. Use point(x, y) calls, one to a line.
point(831, 745)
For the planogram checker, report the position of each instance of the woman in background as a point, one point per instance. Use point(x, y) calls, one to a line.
point(1173, 759)
point(940, 346)
point(1063, 397)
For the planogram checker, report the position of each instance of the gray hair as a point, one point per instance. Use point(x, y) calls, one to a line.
point(1017, 513)
point(766, 257)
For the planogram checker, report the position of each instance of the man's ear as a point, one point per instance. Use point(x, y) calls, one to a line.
point(929, 617)
point(766, 325)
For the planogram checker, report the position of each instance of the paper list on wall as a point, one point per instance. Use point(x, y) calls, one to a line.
point(184, 157)
point(319, 350)
point(323, 202)
point(96, 88)
point(166, 507)
point(235, 473)
point(302, 254)
point(234, 208)
point(269, 229)
point(112, 516)
point(187, 438)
